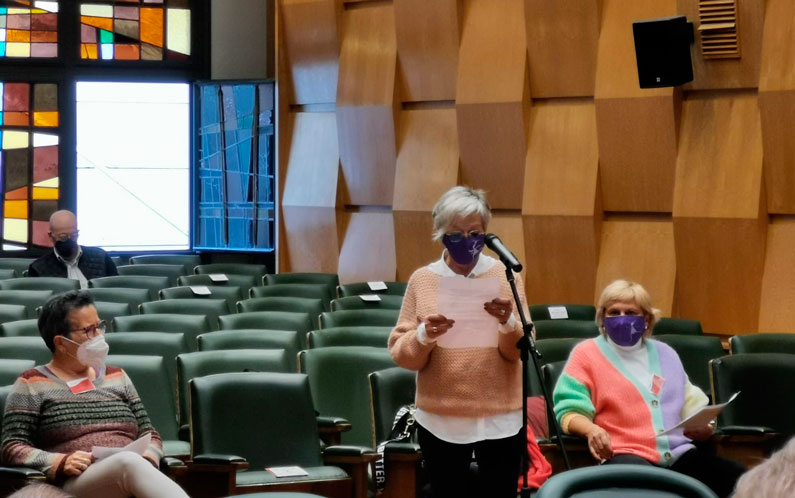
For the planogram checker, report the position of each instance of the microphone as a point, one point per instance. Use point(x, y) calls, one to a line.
point(506, 256)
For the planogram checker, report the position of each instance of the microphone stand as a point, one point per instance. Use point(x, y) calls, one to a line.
point(526, 346)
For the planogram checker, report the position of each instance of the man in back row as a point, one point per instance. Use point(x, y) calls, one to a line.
point(68, 259)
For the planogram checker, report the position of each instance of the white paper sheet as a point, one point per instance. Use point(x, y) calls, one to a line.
point(293, 471)
point(461, 299)
point(370, 298)
point(138, 446)
point(376, 286)
point(200, 290)
point(219, 277)
point(558, 313)
point(701, 418)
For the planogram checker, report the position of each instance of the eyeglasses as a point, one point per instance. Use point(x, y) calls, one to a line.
point(67, 236)
point(459, 236)
point(93, 330)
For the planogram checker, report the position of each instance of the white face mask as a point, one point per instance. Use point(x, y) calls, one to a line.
point(93, 352)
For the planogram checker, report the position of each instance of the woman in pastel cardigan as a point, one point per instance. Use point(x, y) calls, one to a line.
point(623, 390)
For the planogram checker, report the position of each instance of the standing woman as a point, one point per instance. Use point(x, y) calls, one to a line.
point(468, 398)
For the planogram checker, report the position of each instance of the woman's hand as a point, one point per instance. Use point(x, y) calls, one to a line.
point(77, 463)
point(700, 434)
point(499, 308)
point(436, 325)
point(599, 443)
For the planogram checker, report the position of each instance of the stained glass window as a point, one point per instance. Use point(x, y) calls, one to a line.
point(28, 28)
point(28, 161)
point(235, 191)
point(135, 30)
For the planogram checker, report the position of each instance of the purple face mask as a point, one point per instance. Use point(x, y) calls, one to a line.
point(625, 330)
point(462, 249)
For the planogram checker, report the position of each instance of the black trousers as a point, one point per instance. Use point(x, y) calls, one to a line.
point(447, 466)
point(720, 474)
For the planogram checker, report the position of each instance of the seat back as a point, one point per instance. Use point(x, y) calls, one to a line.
point(20, 328)
point(6, 273)
point(358, 288)
point(311, 291)
point(25, 348)
point(764, 380)
point(695, 351)
point(354, 318)
point(288, 340)
point(385, 302)
point(390, 389)
point(330, 280)
point(349, 336)
point(190, 325)
point(276, 320)
point(166, 344)
point(558, 329)
point(18, 264)
point(152, 283)
point(235, 413)
point(149, 375)
point(11, 369)
point(12, 312)
point(187, 261)
point(338, 376)
point(211, 308)
point(254, 270)
point(131, 296)
point(231, 294)
point(623, 481)
point(108, 311)
point(296, 304)
point(201, 363)
point(681, 326)
point(172, 272)
point(54, 284)
point(242, 282)
point(30, 299)
point(553, 350)
point(571, 311)
point(762, 343)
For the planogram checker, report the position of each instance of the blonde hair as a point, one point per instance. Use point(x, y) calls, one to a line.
point(459, 202)
point(627, 291)
point(773, 478)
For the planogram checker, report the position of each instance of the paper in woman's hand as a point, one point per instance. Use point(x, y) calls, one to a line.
point(138, 446)
point(701, 418)
point(461, 299)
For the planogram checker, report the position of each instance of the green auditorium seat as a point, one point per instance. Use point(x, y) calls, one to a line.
point(695, 351)
point(352, 318)
point(242, 282)
point(355, 289)
point(25, 348)
point(11, 369)
point(172, 272)
point(231, 294)
point(349, 336)
point(211, 308)
point(190, 325)
point(188, 261)
point(558, 329)
point(310, 291)
point(255, 270)
point(762, 343)
point(152, 283)
point(680, 326)
point(131, 296)
point(277, 320)
point(297, 304)
point(18, 264)
point(384, 302)
point(20, 328)
point(288, 340)
point(570, 311)
point(30, 299)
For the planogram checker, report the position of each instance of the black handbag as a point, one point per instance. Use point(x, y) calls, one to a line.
point(404, 428)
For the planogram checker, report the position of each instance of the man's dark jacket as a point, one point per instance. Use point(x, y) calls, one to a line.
point(94, 263)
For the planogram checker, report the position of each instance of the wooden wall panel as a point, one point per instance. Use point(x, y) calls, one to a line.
point(365, 102)
point(560, 208)
point(729, 73)
point(562, 38)
point(492, 100)
point(310, 38)
point(508, 227)
point(639, 249)
point(314, 158)
point(777, 105)
point(427, 47)
point(777, 309)
point(719, 219)
point(368, 248)
point(310, 241)
point(414, 245)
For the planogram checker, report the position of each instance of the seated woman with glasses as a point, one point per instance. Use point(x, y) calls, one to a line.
point(469, 395)
point(58, 412)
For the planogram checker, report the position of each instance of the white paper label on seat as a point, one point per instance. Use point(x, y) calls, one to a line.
point(218, 277)
point(200, 290)
point(558, 313)
point(293, 471)
point(370, 298)
point(376, 286)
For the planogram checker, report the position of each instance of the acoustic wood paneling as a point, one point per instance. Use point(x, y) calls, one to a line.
point(777, 313)
point(728, 73)
point(562, 39)
point(493, 99)
point(310, 38)
point(414, 246)
point(365, 101)
point(310, 241)
point(427, 46)
point(719, 220)
point(560, 202)
point(313, 167)
point(508, 227)
point(642, 250)
point(368, 248)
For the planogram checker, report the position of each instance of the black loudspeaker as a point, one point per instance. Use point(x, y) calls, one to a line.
point(662, 49)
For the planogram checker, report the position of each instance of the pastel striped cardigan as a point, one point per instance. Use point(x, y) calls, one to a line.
point(44, 421)
point(595, 384)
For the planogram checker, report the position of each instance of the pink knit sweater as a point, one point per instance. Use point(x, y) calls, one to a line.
point(467, 382)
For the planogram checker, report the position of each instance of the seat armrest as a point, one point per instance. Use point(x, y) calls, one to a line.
point(220, 460)
point(401, 448)
point(744, 430)
point(349, 454)
point(184, 432)
point(330, 429)
point(13, 472)
point(170, 463)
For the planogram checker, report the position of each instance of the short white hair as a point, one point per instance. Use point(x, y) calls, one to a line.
point(772, 478)
point(459, 202)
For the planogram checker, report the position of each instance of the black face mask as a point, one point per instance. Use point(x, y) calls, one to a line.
point(66, 248)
